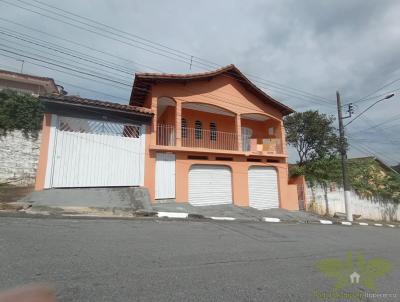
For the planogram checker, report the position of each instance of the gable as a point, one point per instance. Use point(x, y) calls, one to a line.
point(220, 91)
point(146, 82)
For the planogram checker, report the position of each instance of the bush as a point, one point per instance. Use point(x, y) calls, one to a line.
point(20, 111)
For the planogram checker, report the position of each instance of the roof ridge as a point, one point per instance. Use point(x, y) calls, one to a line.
point(209, 72)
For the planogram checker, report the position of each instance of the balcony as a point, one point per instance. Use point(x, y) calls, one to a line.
point(217, 140)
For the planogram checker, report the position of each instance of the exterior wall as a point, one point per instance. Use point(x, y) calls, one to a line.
point(22, 87)
point(224, 123)
point(238, 101)
point(368, 209)
point(168, 116)
point(292, 198)
point(44, 149)
point(239, 167)
point(236, 98)
point(18, 158)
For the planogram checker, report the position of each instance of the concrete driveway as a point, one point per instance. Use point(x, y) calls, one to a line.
point(138, 260)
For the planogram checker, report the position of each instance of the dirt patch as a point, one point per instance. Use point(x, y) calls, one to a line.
point(11, 193)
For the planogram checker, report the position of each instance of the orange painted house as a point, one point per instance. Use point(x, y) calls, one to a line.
point(220, 137)
point(206, 138)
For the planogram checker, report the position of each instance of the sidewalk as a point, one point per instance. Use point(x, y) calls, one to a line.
point(231, 212)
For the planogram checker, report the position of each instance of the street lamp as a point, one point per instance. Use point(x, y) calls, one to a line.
point(385, 98)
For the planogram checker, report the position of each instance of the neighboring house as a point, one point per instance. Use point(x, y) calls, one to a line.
point(206, 138)
point(18, 154)
point(382, 167)
point(28, 83)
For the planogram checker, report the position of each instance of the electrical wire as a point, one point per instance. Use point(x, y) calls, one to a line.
point(326, 102)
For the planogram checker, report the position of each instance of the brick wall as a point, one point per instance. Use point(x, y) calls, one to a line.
point(18, 158)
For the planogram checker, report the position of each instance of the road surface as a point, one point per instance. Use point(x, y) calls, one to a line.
point(148, 260)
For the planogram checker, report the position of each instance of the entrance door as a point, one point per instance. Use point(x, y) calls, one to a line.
point(165, 175)
point(246, 136)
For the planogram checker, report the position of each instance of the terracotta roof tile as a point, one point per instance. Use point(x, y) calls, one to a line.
point(98, 103)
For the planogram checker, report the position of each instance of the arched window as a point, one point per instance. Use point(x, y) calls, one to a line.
point(184, 128)
point(213, 131)
point(198, 130)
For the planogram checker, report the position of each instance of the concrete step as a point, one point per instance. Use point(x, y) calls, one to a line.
point(115, 198)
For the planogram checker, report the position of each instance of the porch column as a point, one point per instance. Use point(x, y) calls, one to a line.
point(283, 138)
point(153, 134)
point(178, 123)
point(239, 132)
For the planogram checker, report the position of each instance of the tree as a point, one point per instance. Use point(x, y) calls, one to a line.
point(312, 134)
point(20, 111)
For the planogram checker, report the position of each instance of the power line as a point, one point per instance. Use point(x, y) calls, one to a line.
point(187, 55)
point(92, 90)
point(101, 34)
point(207, 96)
point(393, 118)
point(66, 52)
point(366, 150)
point(79, 57)
point(68, 68)
point(69, 63)
point(92, 59)
point(62, 71)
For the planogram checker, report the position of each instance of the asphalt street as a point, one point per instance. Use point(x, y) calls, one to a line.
point(149, 260)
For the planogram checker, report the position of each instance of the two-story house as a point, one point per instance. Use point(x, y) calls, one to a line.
point(215, 139)
point(208, 138)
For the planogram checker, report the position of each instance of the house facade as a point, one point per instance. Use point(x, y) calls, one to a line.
point(219, 136)
point(212, 138)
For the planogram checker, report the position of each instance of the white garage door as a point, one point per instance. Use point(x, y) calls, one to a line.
point(91, 153)
point(263, 188)
point(210, 185)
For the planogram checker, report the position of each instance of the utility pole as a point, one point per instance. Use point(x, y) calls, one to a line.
point(343, 153)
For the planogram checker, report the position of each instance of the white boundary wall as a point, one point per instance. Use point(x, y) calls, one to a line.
point(18, 158)
point(368, 209)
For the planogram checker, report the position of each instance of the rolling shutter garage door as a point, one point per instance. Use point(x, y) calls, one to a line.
point(210, 185)
point(263, 188)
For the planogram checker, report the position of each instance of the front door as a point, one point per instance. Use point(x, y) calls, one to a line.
point(246, 136)
point(165, 175)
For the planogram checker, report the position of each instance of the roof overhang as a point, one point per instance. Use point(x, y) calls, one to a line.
point(144, 81)
point(94, 109)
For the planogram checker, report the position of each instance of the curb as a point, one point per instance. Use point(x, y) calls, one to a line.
point(172, 215)
point(183, 215)
point(223, 218)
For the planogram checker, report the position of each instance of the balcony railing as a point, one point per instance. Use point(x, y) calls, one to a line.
point(208, 139)
point(166, 135)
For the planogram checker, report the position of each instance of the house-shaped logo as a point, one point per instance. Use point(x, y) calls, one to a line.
point(355, 278)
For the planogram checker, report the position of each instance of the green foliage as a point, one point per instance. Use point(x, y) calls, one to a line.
point(366, 176)
point(20, 111)
point(312, 134)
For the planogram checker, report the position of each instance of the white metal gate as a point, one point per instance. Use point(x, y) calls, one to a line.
point(263, 188)
point(165, 175)
point(92, 153)
point(210, 185)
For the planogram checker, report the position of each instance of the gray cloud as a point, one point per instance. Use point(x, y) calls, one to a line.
point(316, 46)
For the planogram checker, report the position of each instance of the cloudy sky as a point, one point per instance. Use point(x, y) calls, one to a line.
point(298, 51)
